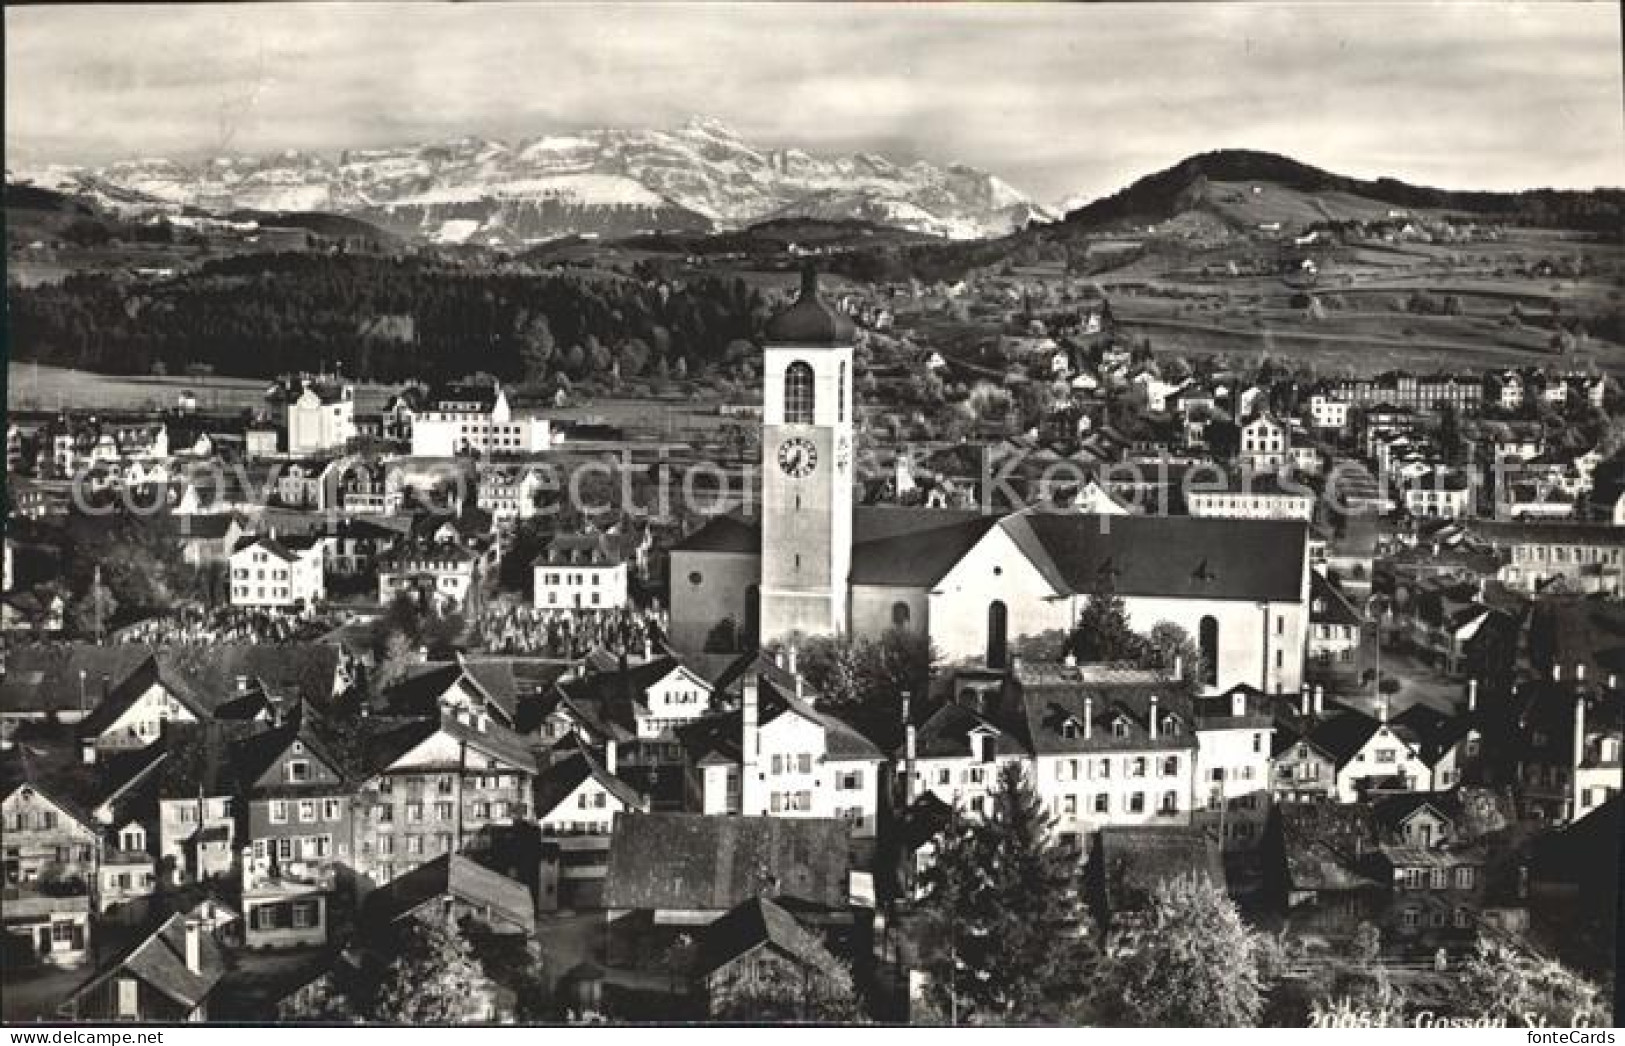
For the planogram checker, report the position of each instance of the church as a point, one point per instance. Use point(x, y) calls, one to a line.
point(811, 562)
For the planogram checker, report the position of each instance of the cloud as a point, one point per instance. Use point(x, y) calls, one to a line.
point(1058, 99)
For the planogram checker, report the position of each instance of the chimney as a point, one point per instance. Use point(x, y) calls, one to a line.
point(778, 657)
point(1579, 731)
point(242, 684)
point(1088, 717)
point(1153, 717)
point(609, 756)
point(87, 751)
point(1472, 695)
point(1557, 673)
point(194, 947)
point(1320, 699)
point(749, 746)
point(1579, 671)
point(1070, 660)
point(1382, 710)
point(1179, 666)
point(790, 665)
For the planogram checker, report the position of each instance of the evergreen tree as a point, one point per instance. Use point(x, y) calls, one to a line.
point(1195, 965)
point(1102, 632)
point(782, 994)
point(1014, 942)
point(434, 978)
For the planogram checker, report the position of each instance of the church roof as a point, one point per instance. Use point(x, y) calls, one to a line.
point(809, 321)
point(1173, 556)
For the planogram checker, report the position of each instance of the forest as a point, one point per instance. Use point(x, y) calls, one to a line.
point(385, 319)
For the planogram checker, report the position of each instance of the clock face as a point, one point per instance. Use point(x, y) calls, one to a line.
point(798, 457)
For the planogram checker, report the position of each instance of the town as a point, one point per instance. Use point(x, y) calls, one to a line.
point(724, 516)
point(1363, 679)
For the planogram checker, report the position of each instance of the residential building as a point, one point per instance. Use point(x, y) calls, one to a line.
point(1587, 557)
point(1231, 780)
point(475, 420)
point(579, 572)
point(1249, 495)
point(754, 948)
point(273, 574)
point(167, 977)
point(435, 574)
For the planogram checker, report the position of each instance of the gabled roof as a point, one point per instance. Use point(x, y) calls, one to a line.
point(559, 781)
point(68, 784)
point(455, 876)
point(916, 552)
point(759, 923)
point(1051, 716)
point(1436, 733)
point(1328, 605)
point(727, 533)
point(694, 862)
point(419, 692)
point(948, 731)
point(159, 960)
point(1174, 556)
point(255, 755)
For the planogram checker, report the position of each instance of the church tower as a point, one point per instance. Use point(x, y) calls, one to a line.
point(807, 413)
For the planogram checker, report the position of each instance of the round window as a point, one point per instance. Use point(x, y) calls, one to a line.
point(998, 571)
point(694, 578)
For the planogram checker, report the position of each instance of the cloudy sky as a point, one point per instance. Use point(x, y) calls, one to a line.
point(1058, 99)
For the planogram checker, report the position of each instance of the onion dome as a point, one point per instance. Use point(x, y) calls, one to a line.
point(809, 321)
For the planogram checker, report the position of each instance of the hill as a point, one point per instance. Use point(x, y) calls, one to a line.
point(1192, 185)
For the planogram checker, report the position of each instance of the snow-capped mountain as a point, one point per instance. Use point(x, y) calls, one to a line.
point(608, 182)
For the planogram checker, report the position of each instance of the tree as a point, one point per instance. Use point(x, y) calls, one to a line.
point(1013, 939)
point(1501, 982)
point(535, 347)
point(1196, 964)
point(782, 994)
point(1172, 650)
point(433, 979)
point(1102, 632)
point(95, 609)
point(319, 1002)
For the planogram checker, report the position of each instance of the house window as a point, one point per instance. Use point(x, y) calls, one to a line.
point(1170, 766)
point(129, 998)
point(307, 811)
point(1103, 803)
point(1119, 728)
point(798, 394)
point(1137, 767)
point(1439, 878)
point(1409, 918)
point(330, 809)
point(1464, 878)
point(1170, 803)
point(1136, 803)
point(900, 614)
point(298, 770)
point(279, 811)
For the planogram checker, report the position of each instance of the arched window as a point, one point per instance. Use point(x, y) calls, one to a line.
point(900, 615)
point(798, 394)
point(1208, 640)
point(997, 623)
point(840, 395)
point(753, 613)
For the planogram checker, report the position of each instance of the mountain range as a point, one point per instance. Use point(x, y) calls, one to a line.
point(700, 177)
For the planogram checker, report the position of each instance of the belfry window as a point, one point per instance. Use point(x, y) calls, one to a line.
point(798, 394)
point(840, 395)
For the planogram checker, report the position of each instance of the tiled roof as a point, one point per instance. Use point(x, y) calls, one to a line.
point(1166, 556)
point(452, 875)
point(758, 923)
point(159, 959)
point(1135, 859)
point(559, 781)
point(693, 862)
point(1050, 717)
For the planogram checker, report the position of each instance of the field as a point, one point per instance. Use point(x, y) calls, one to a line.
point(37, 387)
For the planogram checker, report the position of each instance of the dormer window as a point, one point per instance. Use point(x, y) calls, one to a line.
point(1119, 728)
point(1069, 729)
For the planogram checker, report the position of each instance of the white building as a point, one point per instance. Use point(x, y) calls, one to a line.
point(266, 572)
point(439, 574)
point(321, 419)
point(579, 572)
point(1328, 414)
point(1234, 738)
point(470, 419)
point(1265, 443)
point(780, 756)
point(509, 494)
